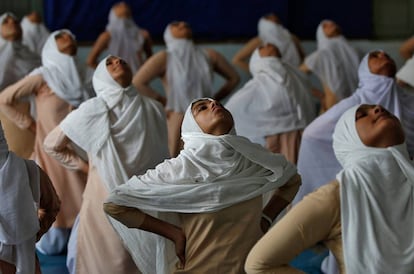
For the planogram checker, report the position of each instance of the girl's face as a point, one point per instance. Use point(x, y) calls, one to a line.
point(119, 70)
point(66, 44)
point(269, 50)
point(122, 10)
point(11, 29)
point(381, 63)
point(212, 117)
point(331, 29)
point(181, 29)
point(377, 127)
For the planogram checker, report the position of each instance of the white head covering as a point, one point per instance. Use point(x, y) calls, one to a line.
point(34, 35)
point(126, 40)
point(188, 72)
point(377, 209)
point(277, 99)
point(62, 72)
point(335, 63)
point(211, 173)
point(19, 193)
point(317, 137)
point(406, 72)
point(276, 34)
point(124, 133)
point(16, 59)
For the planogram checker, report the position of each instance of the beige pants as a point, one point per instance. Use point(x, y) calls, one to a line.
point(316, 219)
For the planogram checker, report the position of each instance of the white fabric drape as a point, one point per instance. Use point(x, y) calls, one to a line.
point(119, 129)
point(317, 163)
point(277, 99)
point(376, 200)
point(19, 197)
point(276, 34)
point(126, 40)
point(210, 173)
point(335, 62)
point(34, 35)
point(63, 73)
point(189, 75)
point(16, 59)
point(406, 72)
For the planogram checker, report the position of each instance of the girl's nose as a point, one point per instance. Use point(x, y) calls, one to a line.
point(378, 108)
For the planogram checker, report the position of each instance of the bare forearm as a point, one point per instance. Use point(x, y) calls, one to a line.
point(282, 197)
point(146, 90)
point(135, 218)
point(57, 145)
point(226, 89)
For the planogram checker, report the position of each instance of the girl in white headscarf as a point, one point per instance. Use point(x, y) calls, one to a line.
point(187, 73)
point(28, 207)
point(275, 106)
point(215, 185)
point(124, 134)
point(270, 30)
point(377, 85)
point(334, 62)
point(122, 38)
point(35, 33)
point(58, 87)
point(17, 61)
point(372, 196)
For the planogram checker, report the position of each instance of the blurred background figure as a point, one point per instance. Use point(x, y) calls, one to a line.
point(122, 38)
point(35, 32)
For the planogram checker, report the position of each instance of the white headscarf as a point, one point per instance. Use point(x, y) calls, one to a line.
point(209, 174)
point(335, 63)
point(189, 75)
point(19, 193)
point(317, 137)
point(16, 59)
point(34, 35)
point(276, 100)
point(62, 72)
point(377, 203)
point(118, 122)
point(276, 34)
point(406, 72)
point(126, 40)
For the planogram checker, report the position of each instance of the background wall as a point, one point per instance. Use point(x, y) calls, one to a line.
point(224, 20)
point(226, 24)
point(212, 20)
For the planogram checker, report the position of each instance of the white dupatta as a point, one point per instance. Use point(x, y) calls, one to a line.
point(335, 62)
point(277, 99)
point(377, 203)
point(19, 197)
point(189, 75)
point(16, 59)
point(126, 40)
point(276, 34)
point(62, 72)
point(34, 35)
